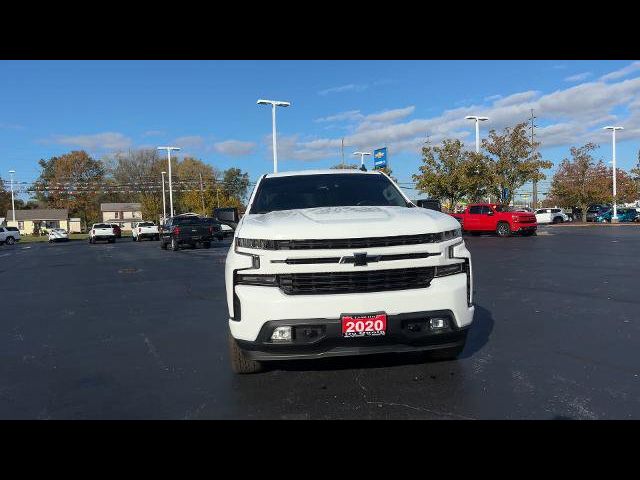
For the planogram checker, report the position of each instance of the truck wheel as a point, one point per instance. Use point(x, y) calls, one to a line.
point(91, 241)
point(240, 362)
point(10, 241)
point(163, 245)
point(133, 238)
point(451, 353)
point(175, 246)
point(503, 229)
point(206, 244)
point(156, 238)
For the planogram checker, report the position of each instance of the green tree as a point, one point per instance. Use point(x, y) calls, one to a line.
point(514, 161)
point(345, 166)
point(70, 181)
point(580, 181)
point(450, 173)
point(5, 199)
point(236, 183)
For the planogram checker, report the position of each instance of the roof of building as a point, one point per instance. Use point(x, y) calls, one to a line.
point(40, 214)
point(120, 207)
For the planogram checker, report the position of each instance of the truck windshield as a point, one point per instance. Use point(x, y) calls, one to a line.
point(326, 190)
point(187, 220)
point(146, 224)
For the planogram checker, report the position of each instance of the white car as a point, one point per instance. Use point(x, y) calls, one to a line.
point(551, 215)
point(9, 235)
point(58, 235)
point(102, 231)
point(333, 263)
point(142, 230)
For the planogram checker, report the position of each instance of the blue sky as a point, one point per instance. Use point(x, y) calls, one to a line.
point(209, 108)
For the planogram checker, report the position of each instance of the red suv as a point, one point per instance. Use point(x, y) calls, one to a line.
point(490, 217)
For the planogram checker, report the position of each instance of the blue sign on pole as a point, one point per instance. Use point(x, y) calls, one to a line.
point(380, 158)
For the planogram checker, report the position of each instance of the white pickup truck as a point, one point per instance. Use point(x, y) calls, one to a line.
point(334, 263)
point(9, 235)
point(102, 231)
point(142, 230)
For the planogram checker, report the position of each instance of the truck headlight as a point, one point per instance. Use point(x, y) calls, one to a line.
point(255, 243)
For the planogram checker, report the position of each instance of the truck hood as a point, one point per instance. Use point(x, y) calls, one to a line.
point(344, 222)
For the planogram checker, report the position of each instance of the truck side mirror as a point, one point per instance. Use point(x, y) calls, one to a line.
point(228, 216)
point(490, 212)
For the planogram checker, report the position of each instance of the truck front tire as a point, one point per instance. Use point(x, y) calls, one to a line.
point(240, 362)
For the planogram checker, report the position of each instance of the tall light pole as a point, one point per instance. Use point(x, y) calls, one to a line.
point(13, 205)
point(613, 151)
point(362, 155)
point(168, 149)
point(478, 120)
point(274, 104)
point(164, 202)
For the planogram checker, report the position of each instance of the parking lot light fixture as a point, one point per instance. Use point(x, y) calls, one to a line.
point(169, 149)
point(614, 218)
point(362, 155)
point(274, 104)
point(477, 120)
point(164, 202)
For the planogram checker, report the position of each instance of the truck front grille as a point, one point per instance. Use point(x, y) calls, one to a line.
point(355, 282)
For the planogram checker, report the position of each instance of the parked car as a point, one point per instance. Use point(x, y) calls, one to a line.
point(595, 210)
point(186, 230)
point(551, 215)
point(218, 227)
point(489, 217)
point(143, 230)
point(624, 215)
point(58, 235)
point(9, 235)
point(332, 263)
point(102, 231)
point(117, 230)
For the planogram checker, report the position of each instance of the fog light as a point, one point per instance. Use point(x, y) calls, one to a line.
point(281, 334)
point(438, 323)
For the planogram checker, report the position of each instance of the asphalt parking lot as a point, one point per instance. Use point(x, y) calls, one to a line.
point(130, 331)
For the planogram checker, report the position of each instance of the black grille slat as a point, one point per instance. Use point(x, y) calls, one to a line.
point(352, 282)
point(357, 242)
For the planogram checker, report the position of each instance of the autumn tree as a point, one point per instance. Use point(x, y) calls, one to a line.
point(626, 186)
point(514, 161)
point(581, 181)
point(5, 199)
point(70, 181)
point(450, 173)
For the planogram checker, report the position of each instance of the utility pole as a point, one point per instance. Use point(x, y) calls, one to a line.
point(13, 205)
point(164, 202)
point(202, 195)
point(534, 194)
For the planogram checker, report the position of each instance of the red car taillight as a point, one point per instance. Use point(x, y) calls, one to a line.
point(210, 230)
point(176, 230)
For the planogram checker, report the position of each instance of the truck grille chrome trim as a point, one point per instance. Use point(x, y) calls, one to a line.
point(348, 259)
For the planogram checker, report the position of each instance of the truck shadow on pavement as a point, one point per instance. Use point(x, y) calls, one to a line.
point(478, 337)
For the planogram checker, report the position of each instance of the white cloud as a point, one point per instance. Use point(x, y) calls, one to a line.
point(492, 98)
point(350, 115)
point(623, 72)
point(569, 116)
point(235, 147)
point(189, 142)
point(578, 77)
point(96, 142)
point(153, 133)
point(344, 88)
point(390, 115)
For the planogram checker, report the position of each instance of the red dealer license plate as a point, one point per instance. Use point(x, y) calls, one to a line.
point(372, 325)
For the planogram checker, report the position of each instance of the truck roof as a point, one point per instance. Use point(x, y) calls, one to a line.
point(332, 171)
